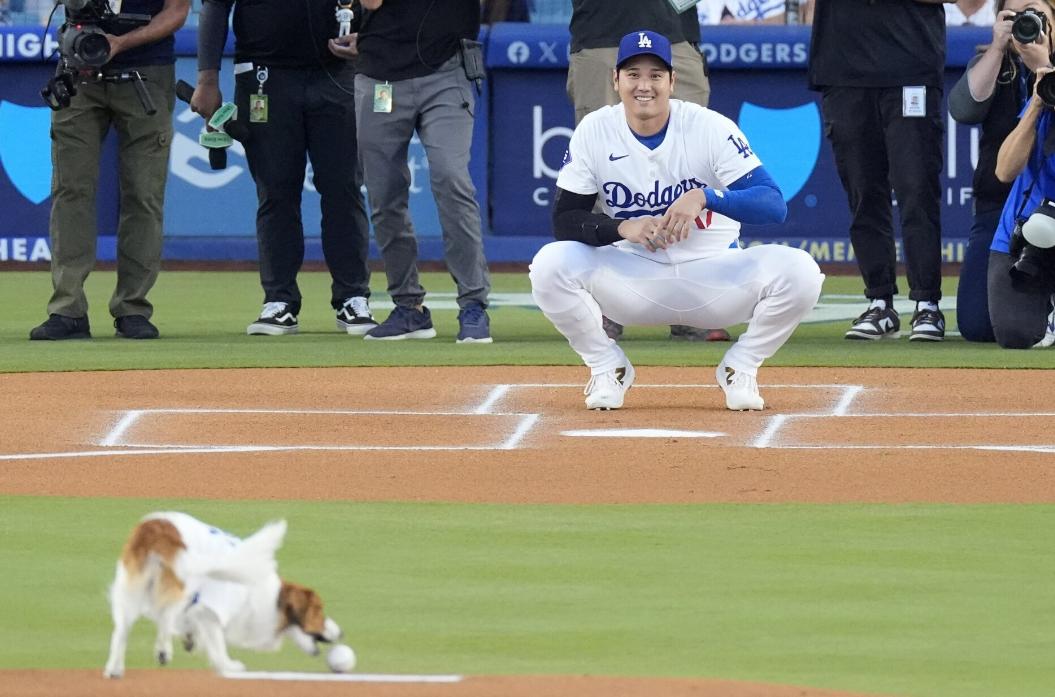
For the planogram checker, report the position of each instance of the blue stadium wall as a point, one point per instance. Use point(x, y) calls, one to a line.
point(523, 122)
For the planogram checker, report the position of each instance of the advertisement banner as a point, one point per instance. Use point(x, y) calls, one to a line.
point(780, 118)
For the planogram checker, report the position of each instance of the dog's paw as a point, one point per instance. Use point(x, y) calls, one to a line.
point(113, 673)
point(164, 652)
point(233, 666)
point(188, 643)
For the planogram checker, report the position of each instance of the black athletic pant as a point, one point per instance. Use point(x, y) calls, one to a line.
point(876, 150)
point(309, 115)
point(1019, 318)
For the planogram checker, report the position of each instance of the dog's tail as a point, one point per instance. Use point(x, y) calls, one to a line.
point(248, 562)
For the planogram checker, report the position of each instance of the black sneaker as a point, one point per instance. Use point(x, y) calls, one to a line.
point(404, 323)
point(275, 320)
point(59, 328)
point(474, 326)
point(927, 325)
point(354, 316)
point(876, 323)
point(135, 327)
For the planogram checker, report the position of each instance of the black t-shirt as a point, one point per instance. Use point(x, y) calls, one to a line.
point(161, 52)
point(602, 23)
point(877, 43)
point(404, 39)
point(285, 33)
point(1009, 97)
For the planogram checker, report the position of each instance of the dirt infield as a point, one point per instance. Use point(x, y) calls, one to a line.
point(175, 683)
point(514, 435)
point(494, 435)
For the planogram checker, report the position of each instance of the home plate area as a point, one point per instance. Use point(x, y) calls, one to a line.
point(548, 415)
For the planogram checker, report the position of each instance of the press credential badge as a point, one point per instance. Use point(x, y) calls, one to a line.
point(258, 101)
point(383, 99)
point(914, 102)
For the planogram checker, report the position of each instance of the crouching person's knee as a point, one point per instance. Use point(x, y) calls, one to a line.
point(1017, 337)
point(556, 264)
point(800, 274)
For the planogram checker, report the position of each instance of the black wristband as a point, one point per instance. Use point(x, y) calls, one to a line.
point(608, 232)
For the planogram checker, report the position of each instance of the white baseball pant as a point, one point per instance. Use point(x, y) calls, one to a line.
point(771, 287)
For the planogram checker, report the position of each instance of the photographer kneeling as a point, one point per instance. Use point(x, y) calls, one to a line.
point(90, 94)
point(1021, 260)
point(992, 92)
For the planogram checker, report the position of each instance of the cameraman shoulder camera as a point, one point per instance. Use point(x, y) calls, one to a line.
point(126, 82)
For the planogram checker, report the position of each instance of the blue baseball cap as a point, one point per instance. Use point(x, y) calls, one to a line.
point(640, 43)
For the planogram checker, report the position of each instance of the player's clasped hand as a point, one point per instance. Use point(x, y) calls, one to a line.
point(677, 221)
point(644, 230)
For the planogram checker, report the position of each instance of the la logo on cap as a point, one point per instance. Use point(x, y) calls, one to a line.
point(644, 41)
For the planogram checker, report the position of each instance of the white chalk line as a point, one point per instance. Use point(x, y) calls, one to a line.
point(847, 398)
point(999, 448)
point(772, 428)
point(766, 440)
point(341, 677)
point(118, 431)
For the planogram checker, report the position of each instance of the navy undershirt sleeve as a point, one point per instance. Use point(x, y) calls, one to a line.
point(754, 199)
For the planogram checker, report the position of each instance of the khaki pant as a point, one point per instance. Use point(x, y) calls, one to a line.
point(143, 143)
point(590, 84)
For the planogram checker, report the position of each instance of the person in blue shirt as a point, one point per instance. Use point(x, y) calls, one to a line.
point(1021, 312)
point(992, 93)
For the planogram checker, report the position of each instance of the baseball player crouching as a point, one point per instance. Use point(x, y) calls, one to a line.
point(675, 180)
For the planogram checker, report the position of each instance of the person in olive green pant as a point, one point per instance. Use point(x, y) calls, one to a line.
point(77, 134)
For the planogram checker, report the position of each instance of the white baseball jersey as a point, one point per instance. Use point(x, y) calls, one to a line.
point(701, 149)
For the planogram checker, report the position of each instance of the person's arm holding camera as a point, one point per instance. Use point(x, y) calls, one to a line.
point(212, 36)
point(981, 77)
point(1014, 153)
point(165, 23)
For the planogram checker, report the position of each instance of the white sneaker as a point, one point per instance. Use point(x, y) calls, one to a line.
point(605, 390)
point(355, 317)
point(741, 390)
point(1049, 330)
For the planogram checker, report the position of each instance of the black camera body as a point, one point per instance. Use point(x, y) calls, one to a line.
point(1034, 266)
point(82, 40)
point(84, 49)
point(1027, 25)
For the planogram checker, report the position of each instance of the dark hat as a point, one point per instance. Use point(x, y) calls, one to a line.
point(639, 43)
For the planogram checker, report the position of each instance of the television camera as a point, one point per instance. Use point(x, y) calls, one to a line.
point(84, 50)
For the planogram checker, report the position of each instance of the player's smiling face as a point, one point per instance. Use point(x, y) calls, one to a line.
point(644, 84)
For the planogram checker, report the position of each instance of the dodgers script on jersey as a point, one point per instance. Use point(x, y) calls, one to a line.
point(702, 149)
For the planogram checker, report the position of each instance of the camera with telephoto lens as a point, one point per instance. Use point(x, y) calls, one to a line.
point(1027, 25)
point(84, 49)
point(1032, 245)
point(1046, 90)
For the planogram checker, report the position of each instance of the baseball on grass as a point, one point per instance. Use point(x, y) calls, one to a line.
point(341, 658)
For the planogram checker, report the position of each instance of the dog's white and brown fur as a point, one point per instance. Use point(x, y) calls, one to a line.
point(214, 590)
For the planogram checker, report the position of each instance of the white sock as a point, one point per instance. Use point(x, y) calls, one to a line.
point(927, 306)
point(881, 304)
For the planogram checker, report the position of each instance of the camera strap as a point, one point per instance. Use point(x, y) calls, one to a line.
point(1049, 143)
point(1025, 200)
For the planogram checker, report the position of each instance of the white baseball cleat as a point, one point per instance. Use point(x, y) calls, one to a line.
point(741, 390)
point(605, 390)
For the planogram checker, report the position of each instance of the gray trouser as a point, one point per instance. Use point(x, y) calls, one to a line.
point(440, 107)
point(143, 143)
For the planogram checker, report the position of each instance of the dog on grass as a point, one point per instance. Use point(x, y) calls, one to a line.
point(213, 590)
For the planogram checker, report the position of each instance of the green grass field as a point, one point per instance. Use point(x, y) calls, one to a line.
point(925, 600)
point(908, 600)
point(203, 316)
